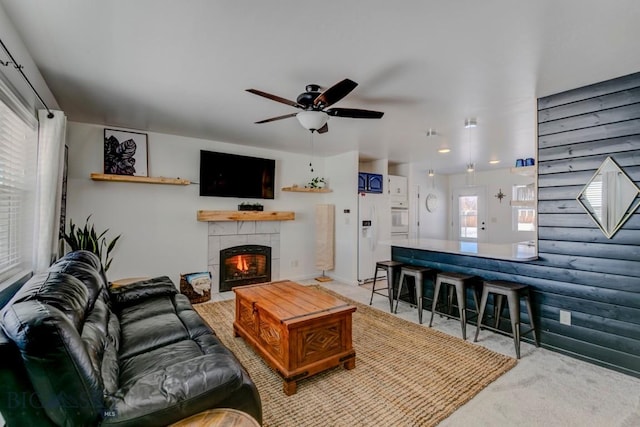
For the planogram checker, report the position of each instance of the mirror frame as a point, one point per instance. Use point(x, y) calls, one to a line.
point(630, 210)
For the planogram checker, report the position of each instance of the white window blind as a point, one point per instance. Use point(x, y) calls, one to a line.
point(17, 189)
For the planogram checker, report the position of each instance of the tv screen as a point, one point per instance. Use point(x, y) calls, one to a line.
point(232, 175)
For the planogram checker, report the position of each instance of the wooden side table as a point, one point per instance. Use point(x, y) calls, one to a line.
point(221, 417)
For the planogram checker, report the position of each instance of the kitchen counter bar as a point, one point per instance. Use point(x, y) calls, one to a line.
point(518, 252)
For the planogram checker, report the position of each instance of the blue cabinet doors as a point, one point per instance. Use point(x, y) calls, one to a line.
point(369, 182)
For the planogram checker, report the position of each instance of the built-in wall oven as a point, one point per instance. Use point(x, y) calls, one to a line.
point(399, 222)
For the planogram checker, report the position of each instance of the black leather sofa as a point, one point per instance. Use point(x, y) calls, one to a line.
point(74, 352)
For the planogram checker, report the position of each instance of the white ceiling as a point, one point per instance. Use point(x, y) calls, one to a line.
point(182, 67)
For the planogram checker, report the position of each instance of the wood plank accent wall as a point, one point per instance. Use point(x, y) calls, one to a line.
point(577, 131)
point(579, 269)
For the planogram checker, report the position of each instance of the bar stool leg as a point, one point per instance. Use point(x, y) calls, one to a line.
point(418, 282)
point(373, 288)
point(462, 308)
point(497, 309)
point(400, 285)
point(434, 303)
point(483, 304)
point(533, 329)
point(514, 313)
point(390, 276)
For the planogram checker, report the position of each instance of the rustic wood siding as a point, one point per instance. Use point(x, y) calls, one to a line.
point(577, 131)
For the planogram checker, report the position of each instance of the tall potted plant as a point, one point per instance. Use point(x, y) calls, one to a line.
point(87, 238)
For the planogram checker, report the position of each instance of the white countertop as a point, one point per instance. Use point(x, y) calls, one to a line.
point(522, 251)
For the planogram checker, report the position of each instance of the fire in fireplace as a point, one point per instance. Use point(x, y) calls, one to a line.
point(244, 265)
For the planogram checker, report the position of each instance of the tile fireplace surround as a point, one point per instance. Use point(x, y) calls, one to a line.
point(223, 235)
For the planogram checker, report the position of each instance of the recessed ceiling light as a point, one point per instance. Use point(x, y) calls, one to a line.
point(444, 150)
point(494, 162)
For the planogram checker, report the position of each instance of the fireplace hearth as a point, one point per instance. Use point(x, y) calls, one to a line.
point(244, 265)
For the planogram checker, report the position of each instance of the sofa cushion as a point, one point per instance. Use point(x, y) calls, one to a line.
point(88, 275)
point(53, 353)
point(171, 383)
point(133, 293)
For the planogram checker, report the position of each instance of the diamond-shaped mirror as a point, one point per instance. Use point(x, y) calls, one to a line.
point(610, 197)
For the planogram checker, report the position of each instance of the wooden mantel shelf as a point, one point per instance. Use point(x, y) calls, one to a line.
point(208, 216)
point(140, 179)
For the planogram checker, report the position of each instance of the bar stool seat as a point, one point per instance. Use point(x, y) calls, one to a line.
point(513, 291)
point(392, 269)
point(418, 273)
point(461, 282)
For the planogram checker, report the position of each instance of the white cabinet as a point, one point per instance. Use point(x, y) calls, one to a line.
point(398, 194)
point(398, 186)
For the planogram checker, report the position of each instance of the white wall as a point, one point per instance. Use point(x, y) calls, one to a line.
point(10, 75)
point(158, 222)
point(433, 225)
point(344, 182)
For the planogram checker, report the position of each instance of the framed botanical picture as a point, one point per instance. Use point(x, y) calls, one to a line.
point(125, 153)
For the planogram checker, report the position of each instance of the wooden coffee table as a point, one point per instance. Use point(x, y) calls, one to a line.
point(299, 331)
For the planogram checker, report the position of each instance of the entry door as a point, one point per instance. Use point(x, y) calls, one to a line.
point(469, 214)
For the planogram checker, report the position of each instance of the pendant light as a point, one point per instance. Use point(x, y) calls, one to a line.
point(470, 177)
point(431, 173)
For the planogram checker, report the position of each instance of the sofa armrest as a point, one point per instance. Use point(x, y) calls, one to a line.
point(138, 291)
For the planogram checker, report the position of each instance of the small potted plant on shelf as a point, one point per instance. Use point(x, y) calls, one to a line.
point(244, 206)
point(316, 182)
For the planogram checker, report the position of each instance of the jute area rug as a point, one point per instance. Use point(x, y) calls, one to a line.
point(406, 374)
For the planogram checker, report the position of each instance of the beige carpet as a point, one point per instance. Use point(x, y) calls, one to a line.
point(406, 374)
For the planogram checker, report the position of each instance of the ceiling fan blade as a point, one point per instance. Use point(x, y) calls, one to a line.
point(273, 119)
point(354, 113)
point(335, 93)
point(323, 129)
point(275, 98)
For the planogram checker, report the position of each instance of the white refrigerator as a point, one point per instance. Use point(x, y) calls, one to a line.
point(374, 234)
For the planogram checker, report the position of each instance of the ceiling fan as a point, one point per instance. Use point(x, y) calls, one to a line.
point(315, 106)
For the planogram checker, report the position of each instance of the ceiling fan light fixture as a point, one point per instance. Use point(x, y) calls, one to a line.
point(470, 123)
point(312, 120)
point(470, 167)
point(431, 172)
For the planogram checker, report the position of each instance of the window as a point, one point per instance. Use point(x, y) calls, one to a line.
point(468, 211)
point(17, 191)
point(524, 212)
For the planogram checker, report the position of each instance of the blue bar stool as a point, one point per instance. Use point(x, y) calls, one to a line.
point(392, 268)
point(461, 282)
point(513, 292)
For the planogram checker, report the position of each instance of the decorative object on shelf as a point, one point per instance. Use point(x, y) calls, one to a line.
point(519, 163)
point(316, 182)
point(431, 202)
point(529, 161)
point(87, 238)
point(125, 153)
point(250, 207)
point(500, 195)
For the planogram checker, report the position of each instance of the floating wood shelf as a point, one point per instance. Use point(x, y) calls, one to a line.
point(524, 170)
point(306, 190)
point(246, 216)
point(139, 179)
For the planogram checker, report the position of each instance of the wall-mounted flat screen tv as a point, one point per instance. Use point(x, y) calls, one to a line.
point(233, 175)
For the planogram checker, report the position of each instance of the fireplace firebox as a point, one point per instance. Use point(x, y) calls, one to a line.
point(244, 265)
